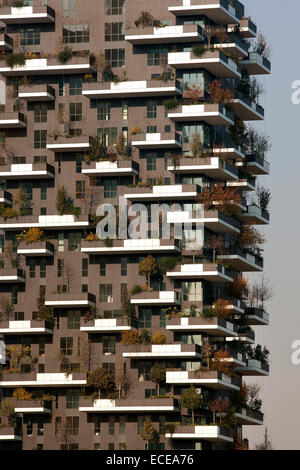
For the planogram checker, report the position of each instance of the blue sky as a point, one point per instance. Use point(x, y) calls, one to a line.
point(279, 22)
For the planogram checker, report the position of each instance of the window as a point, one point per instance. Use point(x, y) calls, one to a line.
point(103, 110)
point(122, 425)
point(42, 267)
point(84, 288)
point(124, 292)
point(157, 56)
point(124, 266)
point(145, 318)
point(75, 111)
point(14, 295)
point(151, 129)
point(97, 425)
point(61, 288)
point(40, 426)
point(85, 267)
point(144, 369)
point(78, 163)
point(57, 425)
point(41, 368)
point(40, 159)
point(61, 241)
point(29, 426)
point(192, 291)
point(74, 320)
point(124, 110)
point(109, 136)
point(2, 140)
point(151, 109)
point(69, 446)
point(80, 189)
point(19, 316)
point(75, 86)
point(66, 345)
point(109, 344)
point(76, 33)
point(110, 187)
point(42, 347)
point(115, 57)
point(162, 319)
point(111, 425)
point(32, 268)
point(151, 162)
point(106, 293)
point(110, 368)
point(60, 267)
point(30, 36)
point(69, 8)
point(74, 241)
point(43, 191)
point(167, 129)
point(72, 399)
point(140, 424)
point(114, 32)
point(114, 7)
point(40, 139)
point(72, 425)
point(111, 446)
point(40, 112)
point(43, 211)
point(102, 266)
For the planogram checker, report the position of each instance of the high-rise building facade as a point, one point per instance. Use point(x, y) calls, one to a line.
point(129, 343)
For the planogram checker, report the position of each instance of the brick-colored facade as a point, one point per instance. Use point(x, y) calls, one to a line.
point(73, 70)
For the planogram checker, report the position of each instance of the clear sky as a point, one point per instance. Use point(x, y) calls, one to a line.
point(279, 22)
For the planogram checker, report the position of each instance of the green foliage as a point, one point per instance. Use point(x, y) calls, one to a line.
point(44, 311)
point(136, 289)
point(65, 54)
point(7, 408)
point(97, 152)
point(199, 50)
point(145, 337)
point(148, 432)
point(100, 381)
point(167, 263)
point(15, 59)
point(158, 375)
point(108, 242)
point(64, 203)
point(191, 400)
point(148, 267)
point(171, 104)
point(145, 20)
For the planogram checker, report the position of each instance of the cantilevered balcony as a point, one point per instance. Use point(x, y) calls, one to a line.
point(12, 120)
point(256, 316)
point(216, 63)
point(46, 222)
point(41, 92)
point(211, 326)
point(247, 29)
point(106, 325)
point(212, 220)
point(235, 306)
point(256, 165)
point(32, 379)
point(211, 433)
point(151, 245)
point(255, 216)
point(254, 367)
point(10, 433)
point(246, 335)
point(27, 171)
point(245, 182)
point(234, 46)
point(68, 299)
point(107, 168)
point(32, 407)
point(246, 109)
point(131, 89)
point(21, 327)
point(246, 416)
point(167, 34)
point(157, 140)
point(170, 192)
point(208, 272)
point(255, 64)
point(206, 378)
point(42, 248)
point(12, 275)
point(153, 298)
point(5, 197)
point(49, 66)
point(213, 167)
point(219, 11)
point(212, 114)
point(149, 405)
point(229, 153)
point(27, 15)
point(242, 261)
point(6, 42)
point(73, 144)
point(161, 351)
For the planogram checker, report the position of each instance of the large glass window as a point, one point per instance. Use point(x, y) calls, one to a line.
point(106, 293)
point(157, 56)
point(189, 130)
point(66, 345)
point(198, 79)
point(72, 425)
point(192, 291)
point(75, 111)
point(151, 109)
point(74, 241)
point(75, 86)
point(103, 110)
point(114, 31)
point(73, 399)
point(109, 136)
point(114, 7)
point(40, 139)
point(40, 112)
point(74, 319)
point(69, 8)
point(115, 57)
point(76, 33)
point(145, 318)
point(110, 187)
point(30, 36)
point(109, 344)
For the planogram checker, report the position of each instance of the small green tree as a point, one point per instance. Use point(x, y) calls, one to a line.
point(158, 375)
point(148, 432)
point(22, 200)
point(64, 203)
point(100, 380)
point(191, 400)
point(148, 267)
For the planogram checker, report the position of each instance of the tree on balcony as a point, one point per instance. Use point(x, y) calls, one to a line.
point(192, 400)
point(148, 267)
point(22, 201)
point(148, 432)
point(207, 351)
point(227, 200)
point(6, 309)
point(216, 243)
point(100, 381)
point(250, 239)
point(219, 405)
point(123, 382)
point(219, 95)
point(158, 376)
point(32, 235)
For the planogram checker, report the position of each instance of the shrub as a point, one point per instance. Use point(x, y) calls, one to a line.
point(159, 338)
point(171, 104)
point(92, 237)
point(148, 267)
point(167, 263)
point(21, 394)
point(199, 50)
point(64, 203)
point(136, 290)
point(65, 54)
point(130, 337)
point(32, 235)
point(8, 212)
point(108, 242)
point(135, 130)
point(15, 59)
